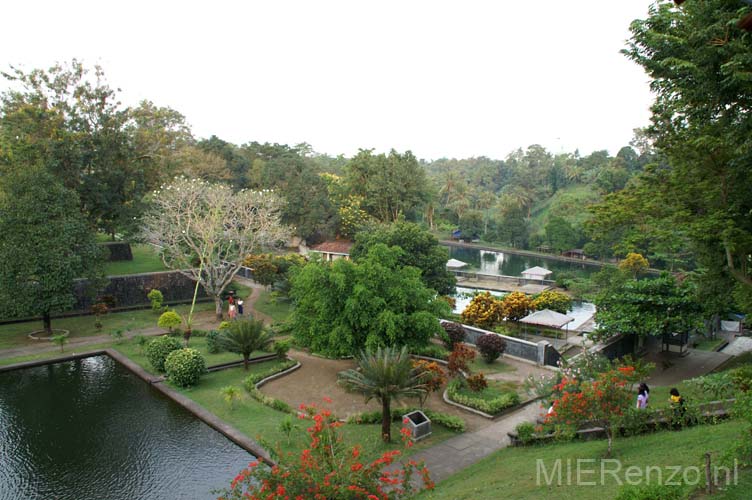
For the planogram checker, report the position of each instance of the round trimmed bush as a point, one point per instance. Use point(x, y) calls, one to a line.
point(491, 346)
point(213, 344)
point(169, 320)
point(158, 349)
point(184, 367)
point(454, 334)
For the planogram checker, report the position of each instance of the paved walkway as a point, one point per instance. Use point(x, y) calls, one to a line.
point(457, 453)
point(670, 368)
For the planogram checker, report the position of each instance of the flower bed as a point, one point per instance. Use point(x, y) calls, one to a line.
point(250, 386)
point(449, 421)
point(492, 400)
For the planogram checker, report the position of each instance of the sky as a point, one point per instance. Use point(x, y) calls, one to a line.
point(443, 79)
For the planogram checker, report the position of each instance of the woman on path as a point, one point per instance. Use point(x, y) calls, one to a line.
point(231, 312)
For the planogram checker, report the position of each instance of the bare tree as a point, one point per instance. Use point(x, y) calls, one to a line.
point(207, 230)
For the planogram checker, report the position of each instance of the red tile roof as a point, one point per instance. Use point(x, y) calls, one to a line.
point(339, 246)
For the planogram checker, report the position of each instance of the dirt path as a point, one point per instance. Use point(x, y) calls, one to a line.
point(250, 301)
point(317, 378)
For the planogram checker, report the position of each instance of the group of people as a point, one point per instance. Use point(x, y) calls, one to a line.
point(643, 395)
point(234, 308)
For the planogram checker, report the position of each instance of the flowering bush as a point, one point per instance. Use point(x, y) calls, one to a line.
point(484, 311)
point(184, 367)
point(159, 348)
point(491, 346)
point(328, 470)
point(477, 382)
point(431, 373)
point(516, 306)
point(553, 300)
point(459, 358)
point(600, 402)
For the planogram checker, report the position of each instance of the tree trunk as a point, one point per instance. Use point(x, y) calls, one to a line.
point(610, 437)
point(218, 307)
point(386, 421)
point(47, 323)
point(246, 357)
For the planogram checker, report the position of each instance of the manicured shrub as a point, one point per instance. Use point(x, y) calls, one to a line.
point(459, 358)
point(169, 320)
point(477, 382)
point(156, 298)
point(281, 348)
point(431, 373)
point(213, 344)
point(525, 432)
point(454, 334)
point(184, 367)
point(159, 348)
point(491, 346)
point(492, 406)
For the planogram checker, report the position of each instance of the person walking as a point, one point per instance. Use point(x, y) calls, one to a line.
point(231, 311)
point(643, 394)
point(240, 307)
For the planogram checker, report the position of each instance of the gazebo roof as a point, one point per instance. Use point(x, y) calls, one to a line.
point(537, 270)
point(547, 317)
point(454, 263)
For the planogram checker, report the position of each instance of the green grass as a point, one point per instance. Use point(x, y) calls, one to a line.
point(262, 423)
point(69, 350)
point(278, 309)
point(145, 260)
point(132, 350)
point(15, 334)
point(495, 389)
point(511, 472)
point(479, 365)
point(737, 361)
point(709, 345)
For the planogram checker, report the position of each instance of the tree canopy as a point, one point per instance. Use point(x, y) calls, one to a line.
point(344, 307)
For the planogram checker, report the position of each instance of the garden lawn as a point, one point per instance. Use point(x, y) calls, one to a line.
point(69, 350)
point(511, 472)
point(15, 334)
point(479, 365)
point(277, 309)
point(495, 389)
point(145, 260)
point(263, 423)
point(131, 349)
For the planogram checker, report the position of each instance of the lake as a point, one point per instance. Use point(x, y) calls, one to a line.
point(508, 264)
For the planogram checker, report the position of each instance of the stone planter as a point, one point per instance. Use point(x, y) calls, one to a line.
point(418, 424)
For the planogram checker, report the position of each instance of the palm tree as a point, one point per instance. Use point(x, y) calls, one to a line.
point(384, 375)
point(245, 337)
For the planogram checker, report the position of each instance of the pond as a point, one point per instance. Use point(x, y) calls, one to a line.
point(508, 264)
point(90, 429)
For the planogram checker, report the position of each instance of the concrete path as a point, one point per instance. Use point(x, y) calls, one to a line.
point(670, 368)
point(459, 452)
point(738, 345)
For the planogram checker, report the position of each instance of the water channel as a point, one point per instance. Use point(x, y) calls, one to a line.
point(90, 429)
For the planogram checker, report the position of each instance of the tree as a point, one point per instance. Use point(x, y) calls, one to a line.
point(516, 305)
point(207, 230)
point(646, 307)
point(385, 375)
point(552, 300)
point(560, 234)
point(45, 246)
point(698, 59)
point(391, 185)
point(484, 311)
point(420, 249)
point(344, 307)
point(245, 337)
point(634, 264)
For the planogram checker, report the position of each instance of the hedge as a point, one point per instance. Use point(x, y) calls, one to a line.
point(491, 407)
point(250, 386)
point(449, 421)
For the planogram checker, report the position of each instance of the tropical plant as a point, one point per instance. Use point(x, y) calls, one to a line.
point(281, 348)
point(477, 382)
point(159, 348)
point(230, 394)
point(385, 375)
point(184, 367)
point(156, 298)
point(491, 346)
point(244, 337)
point(60, 339)
point(459, 359)
point(432, 374)
point(213, 344)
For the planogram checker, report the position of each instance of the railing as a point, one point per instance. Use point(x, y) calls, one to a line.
point(499, 278)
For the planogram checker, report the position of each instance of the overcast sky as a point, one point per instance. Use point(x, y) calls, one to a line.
point(444, 79)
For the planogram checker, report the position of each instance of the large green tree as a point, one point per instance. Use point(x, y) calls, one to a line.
point(420, 249)
point(700, 65)
point(344, 307)
point(45, 245)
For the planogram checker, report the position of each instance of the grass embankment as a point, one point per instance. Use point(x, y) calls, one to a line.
point(263, 423)
point(709, 345)
point(511, 472)
point(277, 309)
point(145, 260)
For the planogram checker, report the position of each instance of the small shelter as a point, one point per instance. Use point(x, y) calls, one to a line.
point(455, 264)
point(575, 253)
point(548, 319)
point(536, 273)
point(333, 250)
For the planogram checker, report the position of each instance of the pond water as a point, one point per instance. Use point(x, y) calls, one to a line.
point(507, 264)
point(90, 429)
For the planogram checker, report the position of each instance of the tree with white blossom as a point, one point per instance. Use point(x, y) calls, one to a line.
point(206, 230)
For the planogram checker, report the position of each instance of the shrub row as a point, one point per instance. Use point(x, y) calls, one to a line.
point(250, 386)
point(431, 351)
point(491, 407)
point(449, 421)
